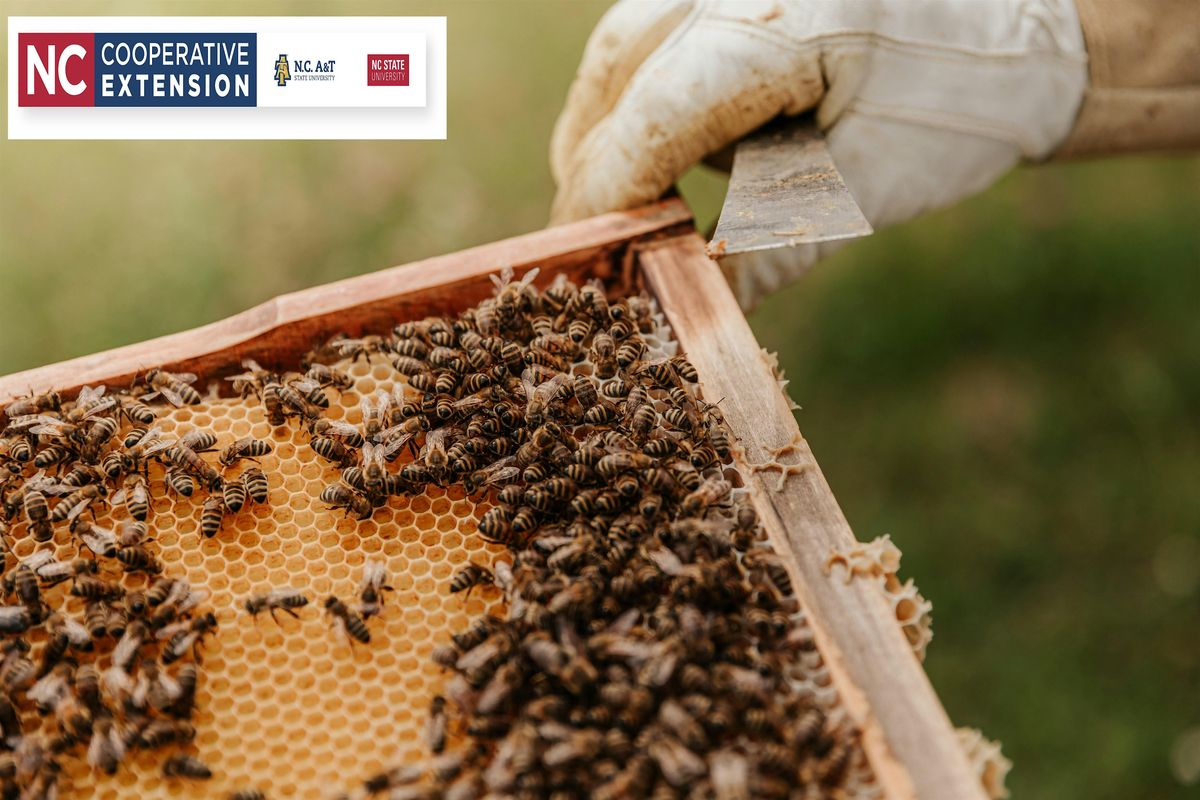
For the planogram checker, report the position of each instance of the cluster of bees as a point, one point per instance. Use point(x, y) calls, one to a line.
point(649, 628)
point(90, 662)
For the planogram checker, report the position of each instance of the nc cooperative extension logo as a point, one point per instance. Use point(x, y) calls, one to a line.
point(136, 69)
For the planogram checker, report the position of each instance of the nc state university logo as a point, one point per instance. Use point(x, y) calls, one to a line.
point(55, 69)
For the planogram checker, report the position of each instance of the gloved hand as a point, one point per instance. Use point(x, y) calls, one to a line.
point(923, 101)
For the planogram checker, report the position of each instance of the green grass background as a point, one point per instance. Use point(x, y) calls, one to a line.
point(1010, 388)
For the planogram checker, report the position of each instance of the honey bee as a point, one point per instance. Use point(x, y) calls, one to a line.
point(185, 766)
point(354, 349)
point(233, 494)
point(212, 515)
point(257, 487)
point(246, 447)
point(100, 432)
point(348, 434)
point(374, 584)
point(348, 620)
point(101, 541)
point(34, 404)
point(374, 414)
point(435, 727)
point(107, 747)
point(629, 352)
point(180, 642)
point(184, 457)
point(135, 495)
point(276, 600)
point(137, 559)
point(332, 450)
point(92, 588)
point(172, 387)
point(180, 482)
point(339, 495)
point(77, 502)
point(469, 576)
point(14, 619)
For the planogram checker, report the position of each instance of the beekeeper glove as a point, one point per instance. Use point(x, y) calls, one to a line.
point(924, 101)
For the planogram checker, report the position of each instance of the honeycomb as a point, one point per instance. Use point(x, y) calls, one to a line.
point(293, 710)
point(290, 708)
point(879, 560)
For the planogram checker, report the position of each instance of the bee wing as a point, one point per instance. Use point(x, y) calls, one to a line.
point(504, 278)
point(170, 395)
point(528, 277)
point(99, 540)
point(76, 632)
point(39, 559)
point(166, 632)
point(393, 446)
point(502, 475)
point(345, 346)
point(342, 428)
point(251, 365)
point(120, 496)
point(34, 423)
point(78, 509)
point(101, 407)
point(374, 573)
point(278, 595)
point(193, 598)
point(304, 384)
point(90, 393)
point(185, 377)
point(367, 406)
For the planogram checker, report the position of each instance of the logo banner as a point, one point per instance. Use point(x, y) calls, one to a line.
point(270, 77)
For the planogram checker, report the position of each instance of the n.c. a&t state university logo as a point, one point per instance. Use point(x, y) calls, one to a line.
point(282, 73)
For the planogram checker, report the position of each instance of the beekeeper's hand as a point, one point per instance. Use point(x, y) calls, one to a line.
point(924, 101)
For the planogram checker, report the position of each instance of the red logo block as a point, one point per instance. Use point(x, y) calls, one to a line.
point(390, 69)
point(55, 69)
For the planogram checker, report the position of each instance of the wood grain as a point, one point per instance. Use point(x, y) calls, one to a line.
point(907, 735)
point(279, 331)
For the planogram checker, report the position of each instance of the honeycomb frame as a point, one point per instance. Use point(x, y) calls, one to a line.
point(607, 246)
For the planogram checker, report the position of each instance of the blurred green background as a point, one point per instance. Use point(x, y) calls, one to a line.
point(1010, 388)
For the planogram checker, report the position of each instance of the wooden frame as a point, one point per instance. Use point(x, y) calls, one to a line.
point(906, 734)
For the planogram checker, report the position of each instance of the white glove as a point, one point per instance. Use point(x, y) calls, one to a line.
point(923, 101)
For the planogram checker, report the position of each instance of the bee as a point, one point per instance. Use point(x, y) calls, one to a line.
point(612, 465)
point(348, 620)
point(92, 588)
point(77, 502)
point(173, 387)
point(179, 642)
point(233, 494)
point(513, 297)
point(54, 572)
point(374, 414)
point(180, 482)
point(354, 349)
point(185, 766)
point(107, 747)
point(311, 391)
point(435, 726)
point(592, 301)
point(246, 447)
point(660, 373)
point(257, 487)
point(212, 515)
point(374, 584)
point(332, 450)
point(184, 457)
point(339, 495)
point(135, 495)
point(101, 541)
point(469, 576)
point(137, 559)
point(630, 352)
point(14, 619)
point(247, 794)
point(81, 475)
point(328, 376)
point(99, 434)
point(34, 404)
point(276, 600)
point(349, 434)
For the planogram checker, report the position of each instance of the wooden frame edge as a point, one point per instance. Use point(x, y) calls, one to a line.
point(909, 739)
point(281, 329)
